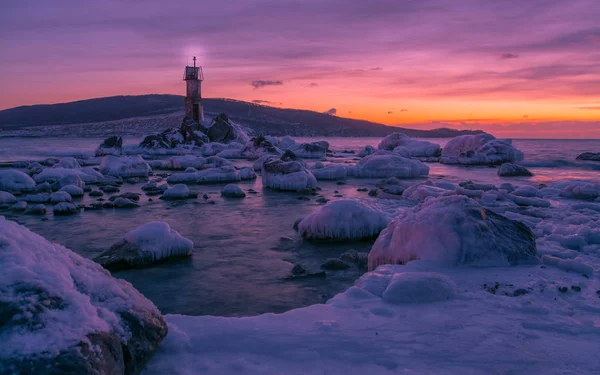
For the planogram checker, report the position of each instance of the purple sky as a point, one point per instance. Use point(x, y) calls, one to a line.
point(471, 61)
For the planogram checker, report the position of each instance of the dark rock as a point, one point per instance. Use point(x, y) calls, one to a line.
point(373, 193)
point(520, 292)
point(340, 183)
point(221, 130)
point(303, 198)
point(288, 156)
point(296, 223)
point(111, 146)
point(110, 189)
point(96, 193)
point(575, 288)
point(38, 209)
point(562, 289)
point(591, 156)
point(513, 170)
point(64, 209)
point(362, 190)
point(321, 200)
point(298, 270)
point(335, 264)
point(127, 195)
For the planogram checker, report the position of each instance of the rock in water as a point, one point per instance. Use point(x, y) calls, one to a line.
point(7, 198)
point(453, 230)
point(178, 191)
point(479, 149)
point(415, 148)
point(64, 314)
point(344, 219)
point(111, 146)
point(233, 191)
point(145, 245)
point(367, 150)
point(388, 164)
point(125, 166)
point(291, 175)
point(65, 208)
point(15, 181)
point(513, 170)
point(224, 131)
point(335, 264)
point(592, 156)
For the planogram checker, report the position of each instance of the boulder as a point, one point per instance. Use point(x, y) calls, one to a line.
point(178, 191)
point(592, 156)
point(291, 175)
point(124, 166)
point(388, 164)
point(15, 181)
point(335, 264)
point(367, 150)
point(150, 243)
point(64, 314)
point(479, 149)
point(65, 208)
point(513, 170)
point(232, 191)
point(223, 130)
point(414, 147)
point(453, 230)
point(111, 146)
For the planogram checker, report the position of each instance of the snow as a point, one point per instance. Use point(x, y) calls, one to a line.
point(88, 175)
point(210, 175)
point(14, 181)
point(63, 296)
point(124, 166)
point(388, 164)
point(453, 230)
point(183, 162)
point(526, 191)
point(330, 172)
point(479, 149)
point(72, 190)
point(232, 191)
point(247, 173)
point(60, 196)
point(577, 189)
point(571, 265)
point(67, 162)
point(178, 191)
point(346, 219)
point(410, 287)
point(292, 175)
point(7, 198)
point(415, 148)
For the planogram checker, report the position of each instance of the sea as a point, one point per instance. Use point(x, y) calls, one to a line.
point(244, 249)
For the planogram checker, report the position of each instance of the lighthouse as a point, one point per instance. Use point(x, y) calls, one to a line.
point(193, 78)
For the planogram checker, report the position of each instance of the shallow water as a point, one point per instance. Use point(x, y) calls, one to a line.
point(240, 260)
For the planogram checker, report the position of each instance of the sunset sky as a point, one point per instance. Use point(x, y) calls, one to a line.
point(516, 68)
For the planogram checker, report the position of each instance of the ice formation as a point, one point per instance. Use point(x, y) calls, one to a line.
point(125, 166)
point(7, 198)
point(246, 173)
point(183, 162)
point(14, 181)
point(64, 208)
point(210, 175)
point(409, 287)
point(314, 150)
point(291, 175)
point(72, 190)
point(453, 230)
point(232, 191)
point(60, 196)
point(87, 175)
point(415, 148)
point(513, 170)
point(178, 191)
point(330, 172)
point(147, 244)
point(367, 150)
point(479, 149)
point(67, 162)
point(65, 314)
point(388, 164)
point(344, 219)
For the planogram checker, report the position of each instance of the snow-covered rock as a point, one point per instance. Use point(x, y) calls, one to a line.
point(178, 191)
point(37, 198)
point(60, 196)
point(183, 162)
point(38, 209)
point(15, 181)
point(415, 148)
point(247, 173)
point(453, 230)
point(62, 313)
point(19, 206)
point(206, 176)
point(87, 174)
point(111, 146)
point(526, 191)
point(367, 150)
point(145, 245)
point(7, 198)
point(65, 208)
point(344, 219)
point(69, 179)
point(422, 191)
point(125, 166)
point(261, 146)
point(330, 172)
point(121, 202)
point(314, 150)
point(409, 287)
point(68, 162)
point(388, 164)
point(291, 175)
point(72, 190)
point(513, 170)
point(479, 149)
point(232, 191)
point(577, 189)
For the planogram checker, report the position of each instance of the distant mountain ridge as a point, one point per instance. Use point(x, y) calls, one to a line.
point(260, 119)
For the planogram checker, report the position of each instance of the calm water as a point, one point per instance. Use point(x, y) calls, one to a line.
point(240, 262)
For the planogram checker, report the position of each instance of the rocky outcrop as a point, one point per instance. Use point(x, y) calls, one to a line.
point(513, 170)
point(290, 175)
point(111, 146)
point(591, 156)
point(64, 314)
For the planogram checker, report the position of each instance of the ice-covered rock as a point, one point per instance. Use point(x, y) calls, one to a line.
point(330, 172)
point(453, 230)
point(15, 181)
point(37, 198)
point(183, 162)
point(216, 162)
point(60, 196)
point(64, 314)
point(111, 146)
point(7, 198)
point(145, 245)
point(388, 164)
point(314, 150)
point(513, 170)
point(68, 162)
point(19, 206)
point(121, 202)
point(592, 156)
point(223, 130)
point(247, 173)
point(64, 208)
point(344, 219)
point(69, 179)
point(87, 174)
point(335, 264)
point(479, 149)
point(178, 191)
point(367, 150)
point(124, 166)
point(422, 191)
point(415, 148)
point(290, 175)
point(260, 146)
point(409, 287)
point(526, 191)
point(38, 209)
point(72, 190)
point(171, 138)
point(577, 189)
point(232, 191)
point(206, 176)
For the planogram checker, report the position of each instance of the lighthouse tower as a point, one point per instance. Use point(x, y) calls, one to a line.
point(193, 78)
